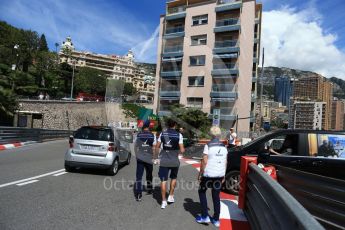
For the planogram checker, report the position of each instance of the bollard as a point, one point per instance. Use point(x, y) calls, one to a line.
point(245, 161)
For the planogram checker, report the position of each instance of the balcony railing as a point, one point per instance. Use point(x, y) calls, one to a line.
point(223, 87)
point(170, 88)
point(226, 43)
point(176, 10)
point(174, 30)
point(221, 2)
point(224, 66)
point(227, 22)
point(171, 69)
point(171, 49)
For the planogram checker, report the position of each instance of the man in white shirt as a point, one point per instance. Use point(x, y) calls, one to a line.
point(232, 138)
point(212, 172)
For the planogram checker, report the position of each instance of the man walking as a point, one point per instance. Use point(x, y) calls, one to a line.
point(172, 144)
point(144, 148)
point(212, 172)
point(231, 138)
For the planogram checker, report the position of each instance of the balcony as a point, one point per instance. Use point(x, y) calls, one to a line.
point(173, 51)
point(230, 24)
point(224, 69)
point(252, 117)
point(257, 20)
point(176, 13)
point(224, 91)
point(169, 93)
point(226, 46)
point(253, 97)
point(254, 79)
point(226, 114)
point(224, 5)
point(174, 32)
point(171, 73)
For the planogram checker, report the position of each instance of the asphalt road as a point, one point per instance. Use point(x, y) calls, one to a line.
point(54, 199)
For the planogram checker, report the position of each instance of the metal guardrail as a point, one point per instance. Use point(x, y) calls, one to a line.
point(10, 135)
point(269, 206)
point(323, 197)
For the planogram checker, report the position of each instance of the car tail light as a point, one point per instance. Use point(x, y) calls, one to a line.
point(111, 147)
point(71, 142)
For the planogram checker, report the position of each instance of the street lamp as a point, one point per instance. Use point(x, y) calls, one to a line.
point(73, 68)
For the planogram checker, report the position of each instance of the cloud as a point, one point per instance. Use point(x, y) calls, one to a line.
point(295, 39)
point(102, 26)
point(147, 50)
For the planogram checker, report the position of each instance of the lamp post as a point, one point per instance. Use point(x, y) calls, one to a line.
point(72, 85)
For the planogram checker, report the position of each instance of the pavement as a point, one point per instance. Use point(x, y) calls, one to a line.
point(37, 193)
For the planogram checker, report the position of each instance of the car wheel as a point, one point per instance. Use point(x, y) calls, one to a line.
point(69, 168)
point(114, 168)
point(232, 182)
point(128, 161)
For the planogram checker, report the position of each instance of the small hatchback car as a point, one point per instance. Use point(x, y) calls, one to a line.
point(95, 147)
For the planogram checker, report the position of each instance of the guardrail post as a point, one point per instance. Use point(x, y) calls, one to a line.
point(245, 161)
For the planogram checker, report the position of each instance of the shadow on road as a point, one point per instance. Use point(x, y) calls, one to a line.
point(192, 207)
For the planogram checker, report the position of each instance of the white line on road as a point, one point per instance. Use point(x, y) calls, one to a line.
point(28, 182)
point(59, 174)
point(31, 178)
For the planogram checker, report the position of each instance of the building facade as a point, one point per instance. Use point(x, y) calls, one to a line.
point(208, 54)
point(315, 89)
point(282, 90)
point(338, 108)
point(308, 115)
point(116, 67)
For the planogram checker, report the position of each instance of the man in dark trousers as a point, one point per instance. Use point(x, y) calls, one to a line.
point(172, 145)
point(144, 147)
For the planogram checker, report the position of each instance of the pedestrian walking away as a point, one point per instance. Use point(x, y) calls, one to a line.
point(144, 149)
point(211, 175)
point(231, 137)
point(171, 142)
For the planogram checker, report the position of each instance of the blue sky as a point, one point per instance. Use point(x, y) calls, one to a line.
point(114, 27)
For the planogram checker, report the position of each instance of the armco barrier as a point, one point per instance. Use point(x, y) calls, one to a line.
point(268, 205)
point(323, 197)
point(10, 135)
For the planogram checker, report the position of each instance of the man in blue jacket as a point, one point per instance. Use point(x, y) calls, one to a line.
point(144, 148)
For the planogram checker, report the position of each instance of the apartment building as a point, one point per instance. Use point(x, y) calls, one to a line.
point(208, 54)
point(308, 114)
point(116, 67)
point(282, 90)
point(318, 89)
point(338, 108)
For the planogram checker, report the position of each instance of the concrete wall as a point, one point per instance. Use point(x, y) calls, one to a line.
point(70, 115)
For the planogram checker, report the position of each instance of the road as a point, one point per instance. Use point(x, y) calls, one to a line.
point(36, 193)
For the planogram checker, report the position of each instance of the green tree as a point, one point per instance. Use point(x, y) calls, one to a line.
point(90, 81)
point(131, 110)
point(43, 46)
point(129, 89)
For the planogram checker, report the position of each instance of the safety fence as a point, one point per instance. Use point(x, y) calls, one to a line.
point(10, 135)
point(323, 197)
point(267, 204)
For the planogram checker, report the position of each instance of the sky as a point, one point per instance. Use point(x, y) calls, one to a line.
point(306, 35)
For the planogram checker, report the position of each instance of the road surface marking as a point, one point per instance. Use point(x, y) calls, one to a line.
point(31, 178)
point(28, 182)
point(59, 174)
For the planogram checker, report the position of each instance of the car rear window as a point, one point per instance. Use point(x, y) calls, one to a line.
point(91, 133)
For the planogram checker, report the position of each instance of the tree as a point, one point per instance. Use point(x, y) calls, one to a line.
point(129, 89)
point(43, 46)
point(131, 110)
point(90, 81)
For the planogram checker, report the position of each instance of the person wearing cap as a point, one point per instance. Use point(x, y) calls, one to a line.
point(231, 137)
point(144, 149)
point(171, 143)
point(211, 175)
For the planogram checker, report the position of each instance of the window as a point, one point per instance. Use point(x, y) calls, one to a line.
point(196, 81)
point(200, 20)
point(197, 60)
point(199, 40)
point(195, 102)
